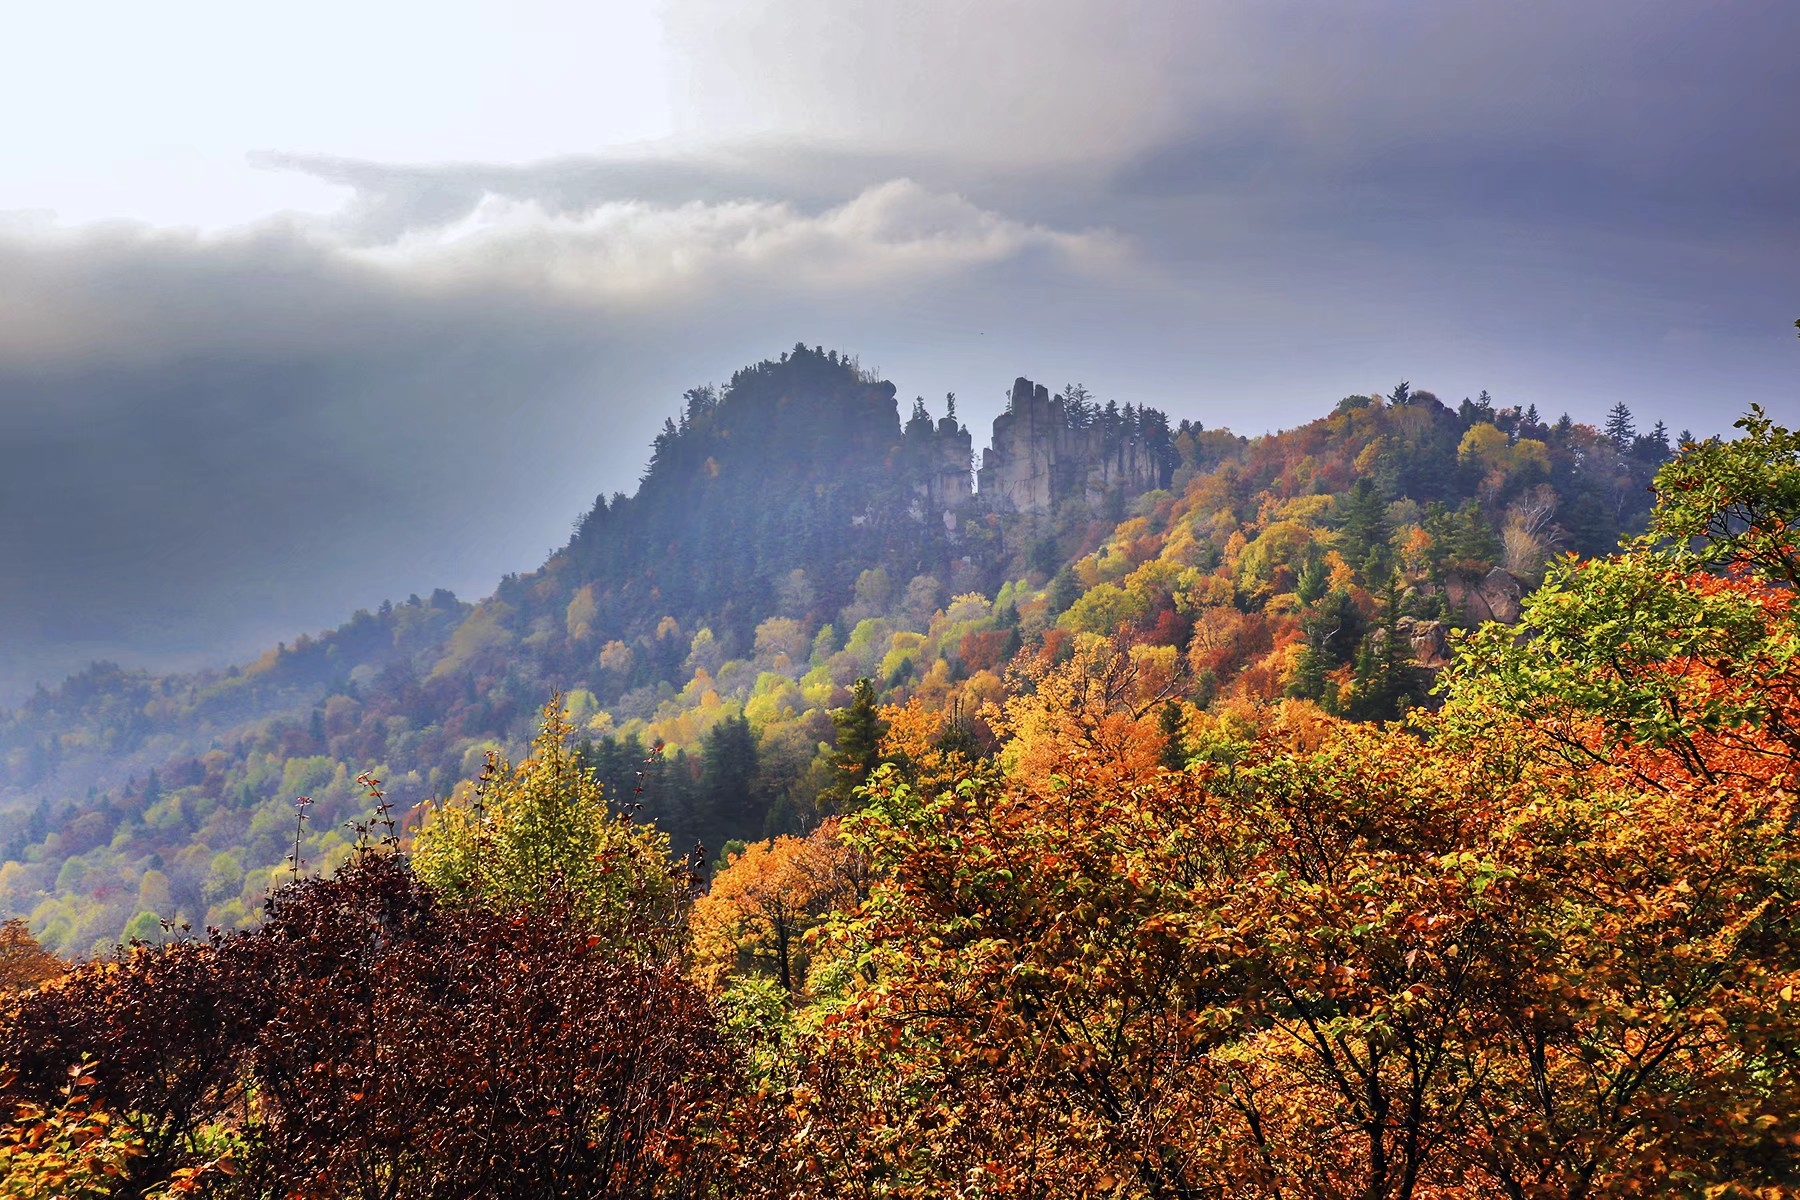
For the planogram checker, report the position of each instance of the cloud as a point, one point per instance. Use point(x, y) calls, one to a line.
point(1238, 212)
point(221, 438)
point(896, 232)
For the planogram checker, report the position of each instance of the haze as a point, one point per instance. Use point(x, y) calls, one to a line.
point(304, 308)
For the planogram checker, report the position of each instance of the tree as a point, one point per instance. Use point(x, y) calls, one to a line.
point(1171, 722)
point(24, 963)
point(528, 832)
point(1386, 681)
point(1620, 429)
point(1362, 522)
point(760, 907)
point(1677, 654)
point(728, 780)
point(859, 732)
point(386, 1043)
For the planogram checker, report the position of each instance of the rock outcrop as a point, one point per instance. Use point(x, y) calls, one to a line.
point(1428, 640)
point(1497, 596)
point(937, 455)
point(1043, 453)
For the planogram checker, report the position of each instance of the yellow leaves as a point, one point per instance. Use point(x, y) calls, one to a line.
point(1486, 445)
point(617, 657)
point(544, 824)
point(64, 1153)
point(583, 610)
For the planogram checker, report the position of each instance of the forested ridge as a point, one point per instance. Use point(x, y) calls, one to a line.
point(1148, 923)
point(784, 543)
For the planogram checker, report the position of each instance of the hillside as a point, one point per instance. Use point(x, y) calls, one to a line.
point(792, 533)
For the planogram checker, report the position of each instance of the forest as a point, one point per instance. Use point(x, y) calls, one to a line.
point(792, 535)
point(1142, 921)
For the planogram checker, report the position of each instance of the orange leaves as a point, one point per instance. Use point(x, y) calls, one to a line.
point(68, 1151)
point(24, 963)
point(759, 908)
point(1093, 714)
point(1354, 962)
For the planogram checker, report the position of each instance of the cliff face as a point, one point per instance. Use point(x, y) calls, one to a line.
point(938, 457)
point(1043, 454)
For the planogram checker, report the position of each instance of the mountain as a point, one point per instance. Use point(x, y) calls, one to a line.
point(793, 533)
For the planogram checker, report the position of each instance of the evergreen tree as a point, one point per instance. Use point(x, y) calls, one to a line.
point(1619, 426)
point(1314, 580)
point(1065, 589)
point(859, 732)
point(1386, 681)
point(1362, 521)
point(727, 782)
point(1172, 723)
point(1308, 680)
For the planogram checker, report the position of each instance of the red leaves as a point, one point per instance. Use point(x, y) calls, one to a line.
point(367, 1029)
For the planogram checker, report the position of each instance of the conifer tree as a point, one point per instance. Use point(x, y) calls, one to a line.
point(727, 780)
point(1171, 722)
point(1362, 521)
point(1620, 428)
point(859, 732)
point(1385, 678)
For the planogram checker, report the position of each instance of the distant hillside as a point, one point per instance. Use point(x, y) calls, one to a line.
point(790, 535)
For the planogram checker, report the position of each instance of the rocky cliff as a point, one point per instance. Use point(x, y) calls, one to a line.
point(938, 457)
point(1047, 449)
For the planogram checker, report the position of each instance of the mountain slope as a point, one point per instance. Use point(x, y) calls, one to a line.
point(790, 535)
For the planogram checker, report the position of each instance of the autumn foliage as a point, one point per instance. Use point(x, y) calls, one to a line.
point(1090, 939)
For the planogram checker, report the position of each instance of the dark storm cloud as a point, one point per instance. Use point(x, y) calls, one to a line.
point(1667, 118)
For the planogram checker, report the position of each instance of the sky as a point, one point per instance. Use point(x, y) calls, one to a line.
point(306, 307)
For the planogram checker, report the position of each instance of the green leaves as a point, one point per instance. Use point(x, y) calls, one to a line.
point(1685, 643)
point(542, 828)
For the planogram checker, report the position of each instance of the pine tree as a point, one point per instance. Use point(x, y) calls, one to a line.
point(1171, 722)
point(1475, 547)
point(1619, 426)
point(1362, 521)
point(1308, 680)
point(1314, 580)
point(1065, 589)
point(727, 782)
point(859, 732)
